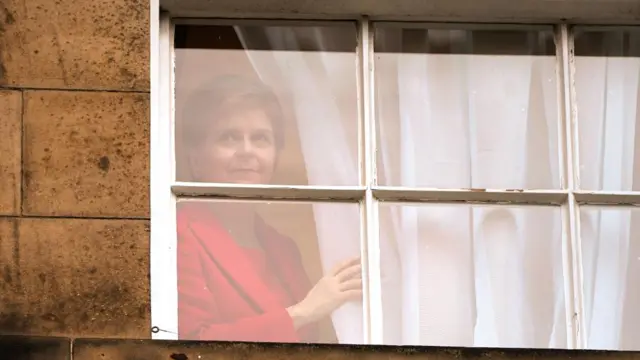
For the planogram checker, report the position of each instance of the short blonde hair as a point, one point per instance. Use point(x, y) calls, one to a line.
point(228, 93)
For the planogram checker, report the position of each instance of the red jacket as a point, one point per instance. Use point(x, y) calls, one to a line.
point(220, 294)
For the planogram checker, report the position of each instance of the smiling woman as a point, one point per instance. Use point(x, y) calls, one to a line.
point(233, 130)
point(259, 105)
point(238, 278)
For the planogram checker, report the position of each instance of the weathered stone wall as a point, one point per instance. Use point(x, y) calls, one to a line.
point(74, 168)
point(74, 195)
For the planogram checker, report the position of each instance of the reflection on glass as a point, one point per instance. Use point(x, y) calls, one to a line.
point(466, 108)
point(269, 271)
point(473, 275)
point(607, 79)
point(266, 104)
point(611, 272)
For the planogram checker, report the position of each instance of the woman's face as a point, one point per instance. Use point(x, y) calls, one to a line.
point(240, 149)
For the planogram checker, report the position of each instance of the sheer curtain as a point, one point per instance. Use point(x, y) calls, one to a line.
point(464, 274)
point(496, 281)
point(473, 121)
point(317, 81)
point(607, 94)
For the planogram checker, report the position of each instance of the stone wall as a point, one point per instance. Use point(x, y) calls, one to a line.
point(74, 168)
point(74, 196)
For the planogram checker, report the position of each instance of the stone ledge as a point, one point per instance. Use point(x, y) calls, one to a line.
point(113, 349)
point(55, 348)
point(16, 347)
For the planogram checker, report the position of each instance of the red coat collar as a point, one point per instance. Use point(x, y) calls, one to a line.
point(230, 258)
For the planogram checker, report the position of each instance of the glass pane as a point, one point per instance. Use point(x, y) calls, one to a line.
point(611, 273)
point(269, 271)
point(495, 282)
point(467, 108)
point(607, 77)
point(260, 104)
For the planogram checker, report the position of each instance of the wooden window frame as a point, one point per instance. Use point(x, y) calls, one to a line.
point(165, 190)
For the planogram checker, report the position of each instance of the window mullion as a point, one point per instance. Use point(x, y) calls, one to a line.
point(372, 294)
point(572, 251)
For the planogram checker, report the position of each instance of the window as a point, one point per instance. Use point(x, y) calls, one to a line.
point(481, 179)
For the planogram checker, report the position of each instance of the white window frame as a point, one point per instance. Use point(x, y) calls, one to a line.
point(165, 189)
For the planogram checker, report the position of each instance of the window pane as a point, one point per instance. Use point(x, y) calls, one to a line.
point(611, 272)
point(473, 275)
point(607, 77)
point(467, 108)
point(241, 264)
point(267, 104)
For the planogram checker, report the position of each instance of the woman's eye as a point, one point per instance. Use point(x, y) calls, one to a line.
point(262, 139)
point(227, 138)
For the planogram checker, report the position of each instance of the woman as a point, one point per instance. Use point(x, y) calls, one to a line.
point(238, 278)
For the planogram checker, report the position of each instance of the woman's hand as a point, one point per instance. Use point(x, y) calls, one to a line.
point(342, 284)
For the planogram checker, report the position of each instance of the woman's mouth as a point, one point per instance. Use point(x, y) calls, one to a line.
point(244, 171)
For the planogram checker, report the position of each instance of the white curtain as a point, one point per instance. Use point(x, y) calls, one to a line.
point(607, 94)
point(316, 81)
point(457, 274)
point(482, 122)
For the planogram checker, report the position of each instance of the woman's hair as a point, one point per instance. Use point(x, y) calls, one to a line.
point(226, 94)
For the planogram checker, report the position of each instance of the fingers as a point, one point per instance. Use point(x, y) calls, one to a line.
point(354, 271)
point(351, 295)
point(353, 284)
point(345, 264)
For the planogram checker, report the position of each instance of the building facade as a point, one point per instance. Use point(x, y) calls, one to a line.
point(75, 172)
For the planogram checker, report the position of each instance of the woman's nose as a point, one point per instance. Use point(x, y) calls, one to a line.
point(246, 145)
